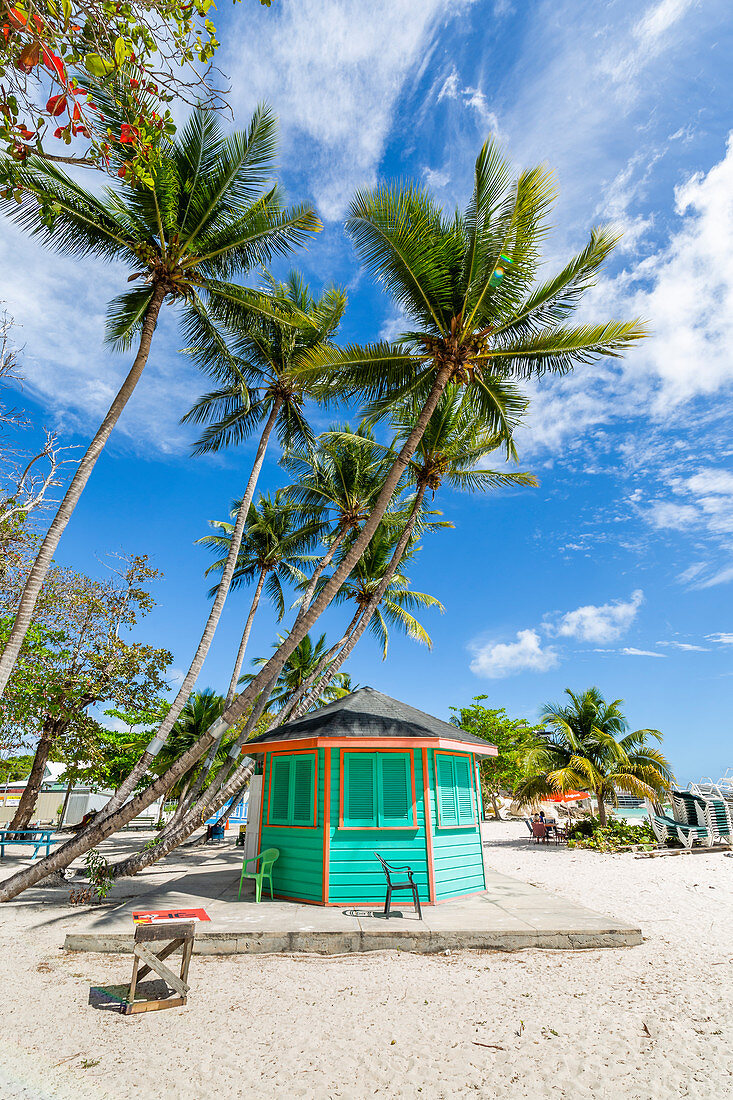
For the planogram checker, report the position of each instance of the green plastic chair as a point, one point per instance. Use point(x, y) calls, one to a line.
point(268, 857)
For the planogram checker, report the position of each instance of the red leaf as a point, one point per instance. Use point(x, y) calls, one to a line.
point(51, 61)
point(56, 105)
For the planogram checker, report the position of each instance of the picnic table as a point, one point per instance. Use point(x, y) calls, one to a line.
point(39, 838)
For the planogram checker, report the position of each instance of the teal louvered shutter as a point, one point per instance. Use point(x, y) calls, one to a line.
point(360, 789)
point(464, 790)
point(447, 809)
point(302, 790)
point(395, 790)
point(279, 790)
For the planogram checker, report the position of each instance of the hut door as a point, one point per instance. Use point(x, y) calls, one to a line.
point(252, 836)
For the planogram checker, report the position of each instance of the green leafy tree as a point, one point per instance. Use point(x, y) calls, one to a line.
point(82, 663)
point(15, 767)
point(513, 737)
point(208, 215)
point(50, 52)
point(591, 749)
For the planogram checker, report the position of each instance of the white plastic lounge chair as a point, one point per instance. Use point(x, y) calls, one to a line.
point(718, 820)
point(667, 828)
point(688, 808)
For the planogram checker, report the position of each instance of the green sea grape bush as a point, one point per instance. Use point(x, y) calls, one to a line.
point(615, 834)
point(54, 53)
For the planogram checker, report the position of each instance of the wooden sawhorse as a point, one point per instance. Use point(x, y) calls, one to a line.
point(179, 934)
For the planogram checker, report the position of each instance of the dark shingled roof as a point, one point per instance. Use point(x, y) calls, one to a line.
point(367, 713)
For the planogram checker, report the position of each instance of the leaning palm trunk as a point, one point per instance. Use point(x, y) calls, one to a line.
point(222, 591)
point(66, 853)
point(171, 838)
point(196, 788)
point(208, 763)
point(45, 555)
point(237, 671)
point(368, 612)
point(292, 703)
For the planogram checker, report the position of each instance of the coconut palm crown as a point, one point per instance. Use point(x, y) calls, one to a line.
point(466, 285)
point(590, 749)
point(210, 214)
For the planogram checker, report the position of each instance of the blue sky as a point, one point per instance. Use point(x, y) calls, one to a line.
point(618, 570)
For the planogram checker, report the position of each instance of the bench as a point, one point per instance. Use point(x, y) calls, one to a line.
point(38, 838)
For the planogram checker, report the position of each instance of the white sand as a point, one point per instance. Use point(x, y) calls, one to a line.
point(643, 1023)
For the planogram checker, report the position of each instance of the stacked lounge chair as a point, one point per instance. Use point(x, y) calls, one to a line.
point(672, 828)
point(718, 820)
point(704, 818)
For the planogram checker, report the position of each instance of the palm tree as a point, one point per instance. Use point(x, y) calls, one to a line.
point(336, 483)
point(258, 372)
point(590, 749)
point(450, 448)
point(273, 551)
point(200, 710)
point(301, 663)
point(466, 283)
point(398, 601)
point(207, 216)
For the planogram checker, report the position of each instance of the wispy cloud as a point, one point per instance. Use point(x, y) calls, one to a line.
point(333, 72)
point(629, 651)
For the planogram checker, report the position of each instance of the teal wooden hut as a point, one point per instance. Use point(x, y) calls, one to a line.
point(367, 773)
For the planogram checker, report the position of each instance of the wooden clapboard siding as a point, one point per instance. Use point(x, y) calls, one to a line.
point(457, 852)
point(299, 869)
point(354, 873)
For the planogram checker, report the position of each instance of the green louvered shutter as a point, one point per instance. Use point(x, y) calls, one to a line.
point(395, 790)
point(464, 791)
point(447, 810)
point(303, 779)
point(280, 790)
point(360, 789)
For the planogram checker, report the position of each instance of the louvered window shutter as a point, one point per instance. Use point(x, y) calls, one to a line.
point(464, 791)
point(395, 790)
point(280, 790)
point(360, 801)
point(303, 779)
point(447, 809)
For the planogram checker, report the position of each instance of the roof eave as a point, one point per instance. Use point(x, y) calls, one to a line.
point(299, 744)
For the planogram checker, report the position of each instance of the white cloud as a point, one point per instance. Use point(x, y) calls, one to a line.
point(498, 659)
point(658, 19)
point(665, 513)
point(436, 177)
point(599, 623)
point(333, 73)
point(629, 651)
point(687, 646)
point(720, 639)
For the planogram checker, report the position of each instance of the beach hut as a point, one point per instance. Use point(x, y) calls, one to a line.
point(367, 773)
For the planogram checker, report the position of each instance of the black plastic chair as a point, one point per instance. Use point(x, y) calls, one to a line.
point(389, 869)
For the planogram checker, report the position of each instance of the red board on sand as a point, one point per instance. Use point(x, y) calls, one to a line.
point(155, 916)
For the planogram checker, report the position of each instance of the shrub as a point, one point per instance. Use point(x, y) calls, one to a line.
point(608, 838)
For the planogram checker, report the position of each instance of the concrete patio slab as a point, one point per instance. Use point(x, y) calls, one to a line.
point(509, 916)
